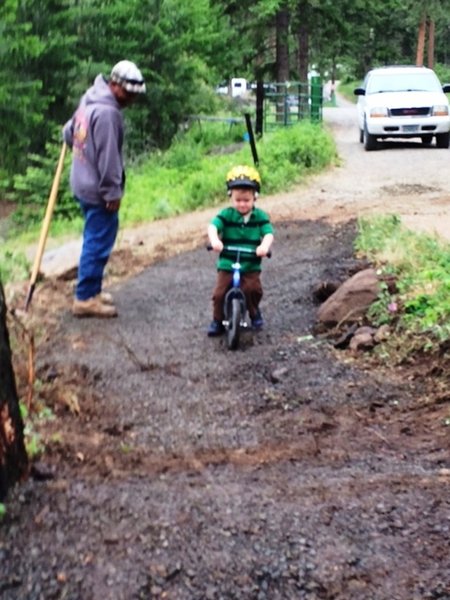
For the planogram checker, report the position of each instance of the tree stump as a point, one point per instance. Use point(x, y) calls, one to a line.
point(13, 456)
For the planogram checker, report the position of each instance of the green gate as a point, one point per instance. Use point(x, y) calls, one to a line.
point(290, 102)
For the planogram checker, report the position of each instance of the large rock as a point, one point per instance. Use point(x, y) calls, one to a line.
point(60, 262)
point(351, 300)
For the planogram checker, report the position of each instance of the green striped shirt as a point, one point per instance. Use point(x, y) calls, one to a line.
point(234, 231)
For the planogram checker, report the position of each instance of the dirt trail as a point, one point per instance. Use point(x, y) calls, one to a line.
point(285, 470)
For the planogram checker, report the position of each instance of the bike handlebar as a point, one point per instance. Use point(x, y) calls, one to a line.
point(239, 249)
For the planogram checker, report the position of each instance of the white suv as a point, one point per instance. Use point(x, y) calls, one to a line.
point(403, 102)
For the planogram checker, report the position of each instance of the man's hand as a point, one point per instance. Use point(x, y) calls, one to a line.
point(113, 205)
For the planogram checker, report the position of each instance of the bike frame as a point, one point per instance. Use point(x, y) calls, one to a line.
point(235, 304)
point(235, 290)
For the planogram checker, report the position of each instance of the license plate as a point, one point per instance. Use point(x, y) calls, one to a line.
point(410, 128)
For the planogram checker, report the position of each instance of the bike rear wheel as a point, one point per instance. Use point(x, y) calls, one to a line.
point(234, 324)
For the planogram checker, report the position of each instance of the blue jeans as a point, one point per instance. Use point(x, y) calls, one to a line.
point(99, 235)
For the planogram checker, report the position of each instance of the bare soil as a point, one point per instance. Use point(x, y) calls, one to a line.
point(287, 469)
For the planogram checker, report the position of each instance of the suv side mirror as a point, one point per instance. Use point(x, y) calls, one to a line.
point(446, 88)
point(359, 91)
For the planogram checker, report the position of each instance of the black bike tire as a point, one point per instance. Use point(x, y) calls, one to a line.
point(234, 324)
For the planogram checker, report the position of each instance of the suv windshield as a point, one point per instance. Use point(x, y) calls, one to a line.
point(402, 82)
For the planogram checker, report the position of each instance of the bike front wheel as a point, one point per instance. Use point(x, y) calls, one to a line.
point(234, 324)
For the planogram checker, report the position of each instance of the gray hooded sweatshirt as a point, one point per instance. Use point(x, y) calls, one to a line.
point(95, 134)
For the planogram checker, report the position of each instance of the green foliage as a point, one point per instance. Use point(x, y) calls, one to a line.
point(290, 153)
point(211, 135)
point(30, 191)
point(379, 312)
point(51, 51)
point(32, 438)
point(175, 43)
point(421, 267)
point(2, 510)
point(346, 89)
point(374, 234)
point(20, 100)
point(13, 265)
point(443, 72)
point(191, 174)
point(187, 176)
point(34, 443)
point(35, 61)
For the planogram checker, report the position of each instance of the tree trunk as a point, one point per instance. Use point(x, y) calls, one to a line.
point(282, 45)
point(421, 41)
point(431, 28)
point(303, 52)
point(282, 62)
point(302, 68)
point(13, 456)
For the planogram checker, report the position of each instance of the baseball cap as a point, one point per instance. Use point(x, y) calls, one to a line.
point(128, 76)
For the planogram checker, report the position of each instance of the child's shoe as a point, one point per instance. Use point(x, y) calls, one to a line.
point(257, 321)
point(215, 328)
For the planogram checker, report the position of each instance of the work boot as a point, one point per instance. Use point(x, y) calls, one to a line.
point(215, 328)
point(93, 307)
point(106, 298)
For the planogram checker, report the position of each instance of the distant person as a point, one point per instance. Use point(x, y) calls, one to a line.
point(333, 91)
point(97, 178)
point(244, 225)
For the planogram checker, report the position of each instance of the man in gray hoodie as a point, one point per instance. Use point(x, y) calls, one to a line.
point(97, 178)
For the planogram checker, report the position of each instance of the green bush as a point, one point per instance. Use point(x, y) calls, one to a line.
point(443, 72)
point(421, 266)
point(31, 190)
point(191, 174)
point(13, 266)
point(188, 176)
point(289, 153)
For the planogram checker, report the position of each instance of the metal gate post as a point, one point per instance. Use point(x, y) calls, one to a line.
point(316, 99)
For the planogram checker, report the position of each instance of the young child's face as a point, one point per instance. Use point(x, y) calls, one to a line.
point(243, 200)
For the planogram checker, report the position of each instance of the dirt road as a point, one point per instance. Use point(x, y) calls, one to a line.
point(285, 470)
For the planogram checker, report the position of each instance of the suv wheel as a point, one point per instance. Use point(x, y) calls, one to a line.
point(370, 141)
point(442, 140)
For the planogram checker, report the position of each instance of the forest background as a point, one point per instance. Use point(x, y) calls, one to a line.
point(51, 51)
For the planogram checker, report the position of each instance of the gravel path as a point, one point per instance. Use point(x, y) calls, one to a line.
point(284, 470)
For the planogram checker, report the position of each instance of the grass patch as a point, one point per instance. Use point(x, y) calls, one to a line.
point(420, 264)
point(188, 176)
point(13, 265)
point(347, 88)
point(191, 174)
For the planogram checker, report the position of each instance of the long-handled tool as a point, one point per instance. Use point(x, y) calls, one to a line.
point(46, 225)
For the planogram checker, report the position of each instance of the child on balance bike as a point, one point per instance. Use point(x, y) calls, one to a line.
point(246, 226)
